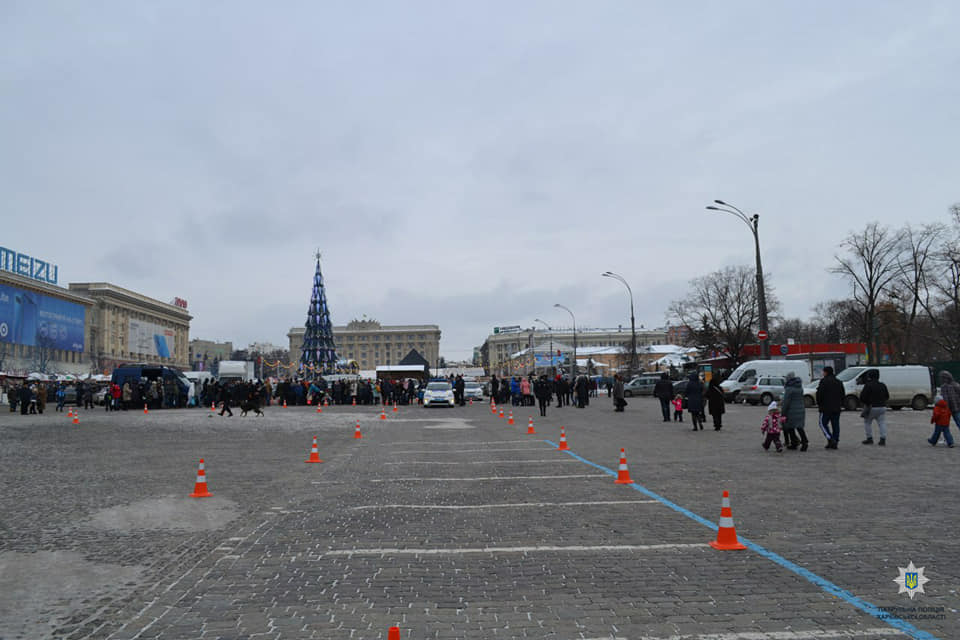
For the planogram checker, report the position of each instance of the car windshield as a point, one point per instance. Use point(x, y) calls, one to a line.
point(471, 385)
point(438, 386)
point(849, 374)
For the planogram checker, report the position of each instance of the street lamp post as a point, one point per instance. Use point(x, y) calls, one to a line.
point(574, 368)
point(752, 222)
point(633, 324)
point(550, 331)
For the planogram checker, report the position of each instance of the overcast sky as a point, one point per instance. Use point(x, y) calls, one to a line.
point(465, 164)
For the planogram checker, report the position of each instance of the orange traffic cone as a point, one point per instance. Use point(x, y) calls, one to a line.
point(510, 421)
point(726, 533)
point(393, 633)
point(356, 434)
point(354, 402)
point(284, 403)
point(326, 401)
point(200, 488)
point(145, 408)
point(394, 407)
point(70, 412)
point(76, 417)
point(319, 408)
point(623, 474)
point(493, 407)
point(314, 453)
point(501, 412)
point(530, 427)
point(471, 402)
point(563, 440)
point(383, 414)
point(213, 407)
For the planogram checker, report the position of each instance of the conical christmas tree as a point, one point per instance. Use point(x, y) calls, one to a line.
point(318, 354)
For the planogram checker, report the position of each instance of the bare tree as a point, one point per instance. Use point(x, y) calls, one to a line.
point(911, 285)
point(870, 265)
point(721, 310)
point(841, 320)
point(42, 353)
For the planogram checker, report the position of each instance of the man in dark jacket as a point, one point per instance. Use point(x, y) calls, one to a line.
point(874, 398)
point(830, 402)
point(663, 391)
point(543, 390)
point(458, 388)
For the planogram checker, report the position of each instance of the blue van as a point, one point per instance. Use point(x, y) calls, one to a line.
point(170, 377)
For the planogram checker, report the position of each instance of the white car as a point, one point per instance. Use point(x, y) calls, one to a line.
point(438, 394)
point(472, 391)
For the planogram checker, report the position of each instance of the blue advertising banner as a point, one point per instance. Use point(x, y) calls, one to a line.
point(33, 319)
point(546, 360)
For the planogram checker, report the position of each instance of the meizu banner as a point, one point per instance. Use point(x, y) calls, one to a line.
point(150, 339)
point(33, 319)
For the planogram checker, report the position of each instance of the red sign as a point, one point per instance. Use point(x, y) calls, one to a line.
point(762, 335)
point(180, 302)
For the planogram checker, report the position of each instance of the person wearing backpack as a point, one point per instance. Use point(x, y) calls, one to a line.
point(874, 398)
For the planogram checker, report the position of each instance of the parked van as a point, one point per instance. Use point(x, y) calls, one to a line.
point(746, 374)
point(909, 385)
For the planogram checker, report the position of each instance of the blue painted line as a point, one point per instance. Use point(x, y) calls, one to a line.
point(831, 588)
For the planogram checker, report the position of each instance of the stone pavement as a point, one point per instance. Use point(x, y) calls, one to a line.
point(452, 524)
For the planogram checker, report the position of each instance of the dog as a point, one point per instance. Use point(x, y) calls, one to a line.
point(246, 406)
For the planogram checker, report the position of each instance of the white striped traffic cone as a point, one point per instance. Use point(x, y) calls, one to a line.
point(623, 474)
point(563, 440)
point(314, 452)
point(726, 533)
point(200, 488)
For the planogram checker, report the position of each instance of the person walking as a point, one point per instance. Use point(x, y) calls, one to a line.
point(941, 423)
point(950, 391)
point(794, 412)
point(771, 426)
point(874, 398)
point(830, 402)
point(542, 389)
point(458, 388)
point(663, 391)
point(694, 394)
point(715, 403)
point(61, 397)
point(225, 397)
point(41, 397)
point(618, 402)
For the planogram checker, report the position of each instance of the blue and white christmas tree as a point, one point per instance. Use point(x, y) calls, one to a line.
point(319, 353)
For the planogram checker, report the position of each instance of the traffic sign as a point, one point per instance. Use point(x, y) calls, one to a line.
point(762, 335)
point(784, 349)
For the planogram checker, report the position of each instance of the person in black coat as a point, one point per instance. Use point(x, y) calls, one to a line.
point(830, 401)
point(694, 395)
point(874, 398)
point(663, 391)
point(715, 403)
point(543, 390)
point(458, 388)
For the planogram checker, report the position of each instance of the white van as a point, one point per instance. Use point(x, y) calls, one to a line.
point(909, 385)
point(753, 370)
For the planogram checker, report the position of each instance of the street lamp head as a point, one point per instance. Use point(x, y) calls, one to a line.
point(712, 208)
point(721, 202)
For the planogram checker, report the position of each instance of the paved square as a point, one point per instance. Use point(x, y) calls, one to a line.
point(453, 524)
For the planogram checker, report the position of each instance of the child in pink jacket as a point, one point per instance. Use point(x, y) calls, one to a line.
point(772, 425)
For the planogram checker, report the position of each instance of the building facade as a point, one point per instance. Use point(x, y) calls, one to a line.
point(43, 327)
point(500, 346)
point(131, 327)
point(203, 353)
point(85, 328)
point(371, 344)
